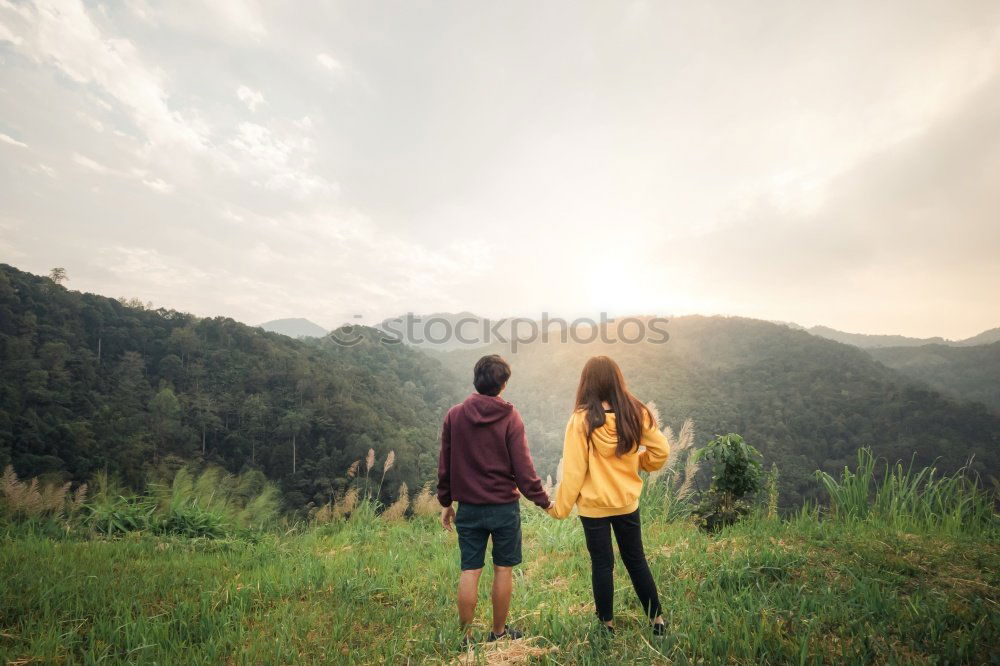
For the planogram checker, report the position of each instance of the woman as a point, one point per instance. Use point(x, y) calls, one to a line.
point(609, 438)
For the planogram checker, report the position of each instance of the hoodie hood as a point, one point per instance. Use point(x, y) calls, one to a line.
point(605, 438)
point(485, 409)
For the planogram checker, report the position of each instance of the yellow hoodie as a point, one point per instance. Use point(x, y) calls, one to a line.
point(597, 481)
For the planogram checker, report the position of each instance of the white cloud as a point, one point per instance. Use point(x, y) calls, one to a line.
point(62, 32)
point(283, 162)
point(258, 143)
point(329, 62)
point(304, 123)
point(133, 174)
point(94, 123)
point(92, 165)
point(158, 185)
point(12, 141)
point(252, 98)
point(239, 14)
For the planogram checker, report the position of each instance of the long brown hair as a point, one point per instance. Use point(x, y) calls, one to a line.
point(602, 381)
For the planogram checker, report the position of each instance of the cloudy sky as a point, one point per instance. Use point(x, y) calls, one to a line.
point(827, 162)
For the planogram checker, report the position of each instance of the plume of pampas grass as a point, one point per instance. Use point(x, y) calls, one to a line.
point(425, 503)
point(547, 487)
point(370, 460)
point(28, 499)
point(352, 471)
point(389, 460)
point(346, 504)
point(78, 499)
point(654, 411)
point(324, 514)
point(397, 510)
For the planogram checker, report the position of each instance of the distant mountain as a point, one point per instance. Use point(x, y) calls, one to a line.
point(873, 341)
point(967, 372)
point(984, 338)
point(807, 403)
point(877, 341)
point(441, 330)
point(295, 328)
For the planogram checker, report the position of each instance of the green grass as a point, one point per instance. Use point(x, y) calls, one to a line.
point(806, 590)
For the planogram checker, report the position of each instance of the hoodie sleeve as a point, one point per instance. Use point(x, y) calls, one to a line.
point(525, 475)
point(444, 464)
point(657, 449)
point(575, 464)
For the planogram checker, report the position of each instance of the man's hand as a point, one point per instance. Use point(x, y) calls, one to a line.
point(549, 508)
point(447, 517)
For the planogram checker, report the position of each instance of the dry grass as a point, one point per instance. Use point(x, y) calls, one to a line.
point(346, 504)
point(31, 499)
point(425, 503)
point(397, 510)
point(505, 653)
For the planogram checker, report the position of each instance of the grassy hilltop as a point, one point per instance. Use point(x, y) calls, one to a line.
point(905, 578)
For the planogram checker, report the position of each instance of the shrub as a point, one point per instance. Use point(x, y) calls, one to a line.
point(736, 476)
point(121, 515)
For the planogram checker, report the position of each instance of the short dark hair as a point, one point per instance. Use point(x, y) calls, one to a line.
point(490, 374)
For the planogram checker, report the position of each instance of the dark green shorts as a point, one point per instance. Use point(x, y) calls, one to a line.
point(476, 523)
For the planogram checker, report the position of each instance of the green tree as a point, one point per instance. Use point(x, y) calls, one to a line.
point(736, 475)
point(254, 414)
point(292, 423)
point(58, 275)
point(164, 414)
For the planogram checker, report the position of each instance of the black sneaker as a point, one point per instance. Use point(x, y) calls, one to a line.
point(606, 630)
point(466, 643)
point(660, 629)
point(512, 634)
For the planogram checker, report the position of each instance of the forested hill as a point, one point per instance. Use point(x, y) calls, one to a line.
point(806, 402)
point(87, 383)
point(969, 373)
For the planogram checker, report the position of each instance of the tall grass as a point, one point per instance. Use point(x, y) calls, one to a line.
point(910, 499)
point(668, 492)
point(32, 498)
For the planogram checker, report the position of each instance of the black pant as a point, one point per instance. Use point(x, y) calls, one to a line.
point(628, 533)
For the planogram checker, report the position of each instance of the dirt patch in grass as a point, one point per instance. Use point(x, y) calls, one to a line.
point(505, 653)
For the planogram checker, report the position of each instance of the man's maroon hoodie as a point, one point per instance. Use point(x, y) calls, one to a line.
point(484, 455)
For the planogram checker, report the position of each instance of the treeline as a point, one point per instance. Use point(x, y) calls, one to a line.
point(88, 384)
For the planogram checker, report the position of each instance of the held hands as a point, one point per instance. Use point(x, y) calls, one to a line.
point(549, 509)
point(447, 517)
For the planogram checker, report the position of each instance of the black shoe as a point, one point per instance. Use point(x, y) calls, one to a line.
point(606, 630)
point(659, 629)
point(466, 643)
point(512, 634)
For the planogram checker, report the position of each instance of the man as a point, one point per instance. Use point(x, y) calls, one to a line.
point(484, 462)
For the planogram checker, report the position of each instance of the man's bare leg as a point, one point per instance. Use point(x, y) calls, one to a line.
point(468, 594)
point(503, 584)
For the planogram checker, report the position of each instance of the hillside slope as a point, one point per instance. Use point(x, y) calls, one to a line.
point(966, 373)
point(805, 402)
point(87, 384)
point(866, 341)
